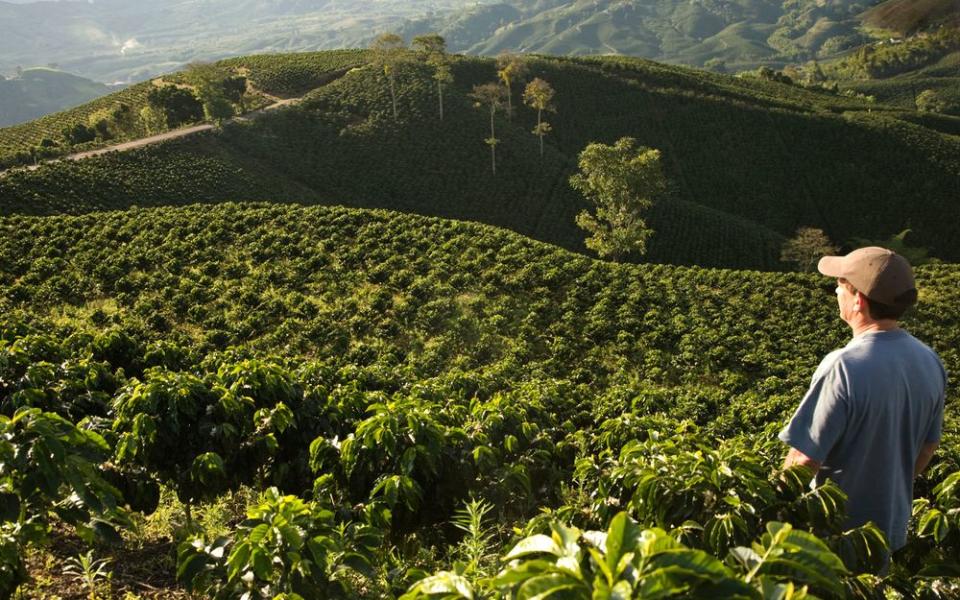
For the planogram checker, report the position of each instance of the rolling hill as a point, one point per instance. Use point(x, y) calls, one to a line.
point(910, 16)
point(748, 161)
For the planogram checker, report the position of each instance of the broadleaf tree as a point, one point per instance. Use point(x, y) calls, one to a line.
point(621, 181)
point(806, 248)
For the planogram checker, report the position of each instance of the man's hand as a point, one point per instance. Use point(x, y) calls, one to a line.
point(795, 457)
point(926, 453)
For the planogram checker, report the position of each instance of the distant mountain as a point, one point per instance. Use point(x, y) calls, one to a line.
point(741, 33)
point(125, 40)
point(113, 40)
point(36, 92)
point(120, 40)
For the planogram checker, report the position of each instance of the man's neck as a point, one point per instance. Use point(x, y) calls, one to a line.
point(869, 326)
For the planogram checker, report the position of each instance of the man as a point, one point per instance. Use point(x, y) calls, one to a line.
point(873, 415)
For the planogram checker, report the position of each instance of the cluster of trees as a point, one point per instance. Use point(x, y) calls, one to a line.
point(809, 244)
point(892, 57)
point(538, 94)
point(390, 54)
point(210, 94)
point(620, 182)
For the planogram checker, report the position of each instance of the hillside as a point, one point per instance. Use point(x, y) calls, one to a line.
point(910, 16)
point(736, 35)
point(220, 350)
point(269, 76)
point(748, 161)
point(36, 92)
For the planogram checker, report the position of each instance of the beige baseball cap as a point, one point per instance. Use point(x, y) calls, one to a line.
point(880, 274)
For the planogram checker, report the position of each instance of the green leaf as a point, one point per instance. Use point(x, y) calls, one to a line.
point(934, 523)
point(543, 586)
point(445, 582)
point(535, 544)
point(521, 572)
point(238, 561)
point(261, 564)
point(258, 533)
point(622, 536)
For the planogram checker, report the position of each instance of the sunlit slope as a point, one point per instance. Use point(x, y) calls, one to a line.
point(430, 295)
point(909, 16)
point(282, 75)
point(748, 161)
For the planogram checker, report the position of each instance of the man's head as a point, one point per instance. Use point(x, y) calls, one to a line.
point(873, 283)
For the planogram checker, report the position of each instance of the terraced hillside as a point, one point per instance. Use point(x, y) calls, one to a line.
point(383, 369)
point(748, 161)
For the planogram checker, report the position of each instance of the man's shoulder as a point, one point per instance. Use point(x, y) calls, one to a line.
point(830, 362)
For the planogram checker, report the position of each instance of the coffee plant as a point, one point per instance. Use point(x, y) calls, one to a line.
point(375, 373)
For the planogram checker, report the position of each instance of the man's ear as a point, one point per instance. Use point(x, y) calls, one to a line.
point(861, 303)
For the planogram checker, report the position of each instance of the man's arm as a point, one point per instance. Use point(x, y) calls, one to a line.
point(795, 457)
point(926, 453)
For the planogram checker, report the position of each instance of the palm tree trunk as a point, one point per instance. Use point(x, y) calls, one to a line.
point(493, 142)
point(393, 98)
point(440, 90)
point(540, 133)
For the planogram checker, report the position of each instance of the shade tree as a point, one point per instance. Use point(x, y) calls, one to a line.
point(621, 182)
point(539, 95)
point(511, 68)
point(490, 95)
point(388, 57)
point(434, 50)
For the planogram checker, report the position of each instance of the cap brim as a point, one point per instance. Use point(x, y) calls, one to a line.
point(831, 266)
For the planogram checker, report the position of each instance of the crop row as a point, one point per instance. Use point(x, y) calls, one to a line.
point(380, 369)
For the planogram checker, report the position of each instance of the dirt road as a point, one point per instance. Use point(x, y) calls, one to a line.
point(161, 137)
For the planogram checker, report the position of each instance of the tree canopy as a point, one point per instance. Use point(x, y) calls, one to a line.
point(621, 182)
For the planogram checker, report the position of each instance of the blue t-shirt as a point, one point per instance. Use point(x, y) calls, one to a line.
point(870, 408)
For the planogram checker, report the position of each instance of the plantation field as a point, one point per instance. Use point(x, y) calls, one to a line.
point(748, 161)
point(383, 369)
point(20, 138)
point(283, 75)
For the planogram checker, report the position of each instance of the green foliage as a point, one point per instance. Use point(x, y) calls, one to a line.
point(888, 58)
point(621, 183)
point(627, 561)
point(87, 570)
point(807, 247)
point(694, 117)
point(178, 105)
point(285, 75)
point(380, 370)
point(286, 547)
point(50, 467)
point(292, 75)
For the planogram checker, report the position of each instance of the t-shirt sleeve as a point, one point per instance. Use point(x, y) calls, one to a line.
point(821, 418)
point(935, 431)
